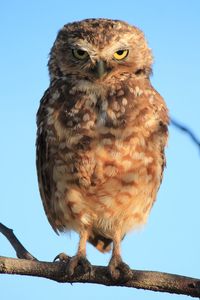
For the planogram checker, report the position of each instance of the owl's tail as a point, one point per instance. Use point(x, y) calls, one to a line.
point(102, 243)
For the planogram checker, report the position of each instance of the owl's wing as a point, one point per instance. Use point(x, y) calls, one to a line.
point(44, 161)
point(162, 130)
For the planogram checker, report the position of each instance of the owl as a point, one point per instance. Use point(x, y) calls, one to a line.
point(102, 131)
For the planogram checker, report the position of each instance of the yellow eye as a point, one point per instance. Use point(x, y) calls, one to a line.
point(120, 54)
point(80, 54)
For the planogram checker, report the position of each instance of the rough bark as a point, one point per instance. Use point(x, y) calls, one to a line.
point(28, 265)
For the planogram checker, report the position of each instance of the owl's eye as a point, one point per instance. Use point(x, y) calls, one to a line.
point(120, 54)
point(79, 53)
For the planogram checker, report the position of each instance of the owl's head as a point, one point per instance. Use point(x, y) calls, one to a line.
point(98, 49)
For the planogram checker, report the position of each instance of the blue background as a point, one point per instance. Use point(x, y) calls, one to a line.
point(170, 240)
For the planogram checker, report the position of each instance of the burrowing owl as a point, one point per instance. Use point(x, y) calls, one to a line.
point(102, 130)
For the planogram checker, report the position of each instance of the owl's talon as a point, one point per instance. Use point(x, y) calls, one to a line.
point(77, 261)
point(119, 270)
point(62, 257)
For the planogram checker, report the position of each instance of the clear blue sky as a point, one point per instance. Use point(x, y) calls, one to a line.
point(170, 241)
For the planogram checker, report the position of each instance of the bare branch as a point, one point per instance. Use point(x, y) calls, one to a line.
point(21, 252)
point(155, 281)
point(57, 271)
point(187, 130)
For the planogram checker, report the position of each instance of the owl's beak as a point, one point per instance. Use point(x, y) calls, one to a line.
point(100, 68)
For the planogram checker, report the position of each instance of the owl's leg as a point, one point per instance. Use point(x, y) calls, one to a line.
point(118, 269)
point(80, 257)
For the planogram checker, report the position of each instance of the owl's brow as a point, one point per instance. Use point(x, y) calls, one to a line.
point(117, 46)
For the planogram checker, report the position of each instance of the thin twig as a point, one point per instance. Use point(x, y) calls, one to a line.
point(21, 252)
point(57, 271)
point(186, 130)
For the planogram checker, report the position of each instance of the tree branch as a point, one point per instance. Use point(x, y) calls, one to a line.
point(155, 281)
point(21, 252)
point(187, 130)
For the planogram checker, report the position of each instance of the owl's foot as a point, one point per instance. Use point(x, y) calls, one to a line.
point(80, 263)
point(75, 262)
point(119, 270)
point(62, 257)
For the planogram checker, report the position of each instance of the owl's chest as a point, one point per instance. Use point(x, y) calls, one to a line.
point(99, 142)
point(102, 152)
point(89, 118)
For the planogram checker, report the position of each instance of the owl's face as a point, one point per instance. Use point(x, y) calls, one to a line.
point(98, 50)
